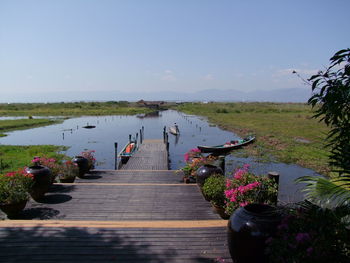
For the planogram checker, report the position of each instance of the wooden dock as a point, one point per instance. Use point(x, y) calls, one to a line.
point(151, 155)
point(142, 215)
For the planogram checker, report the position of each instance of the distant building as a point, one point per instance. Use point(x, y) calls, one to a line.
point(151, 104)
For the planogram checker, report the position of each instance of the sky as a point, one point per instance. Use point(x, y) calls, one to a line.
point(102, 49)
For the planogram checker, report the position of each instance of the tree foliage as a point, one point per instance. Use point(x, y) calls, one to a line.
point(331, 99)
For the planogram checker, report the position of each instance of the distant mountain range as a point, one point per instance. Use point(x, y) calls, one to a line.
point(278, 95)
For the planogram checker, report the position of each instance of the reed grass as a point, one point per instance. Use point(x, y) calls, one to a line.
point(285, 132)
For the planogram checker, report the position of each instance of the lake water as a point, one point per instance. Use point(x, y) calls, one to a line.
point(110, 129)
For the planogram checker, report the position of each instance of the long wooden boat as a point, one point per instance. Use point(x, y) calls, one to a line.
point(128, 150)
point(227, 147)
point(174, 131)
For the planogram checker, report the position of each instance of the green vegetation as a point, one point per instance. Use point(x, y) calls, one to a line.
point(15, 157)
point(286, 132)
point(20, 124)
point(71, 108)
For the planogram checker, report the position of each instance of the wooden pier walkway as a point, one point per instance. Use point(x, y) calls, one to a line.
point(117, 216)
point(151, 155)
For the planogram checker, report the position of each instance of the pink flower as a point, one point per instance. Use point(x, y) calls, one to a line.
point(302, 237)
point(186, 157)
point(36, 160)
point(228, 183)
point(309, 251)
point(243, 204)
point(246, 166)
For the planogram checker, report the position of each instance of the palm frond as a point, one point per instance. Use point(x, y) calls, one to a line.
point(326, 192)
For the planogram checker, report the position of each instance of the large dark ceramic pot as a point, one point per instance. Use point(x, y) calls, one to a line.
point(248, 229)
point(205, 172)
point(42, 181)
point(83, 164)
point(13, 209)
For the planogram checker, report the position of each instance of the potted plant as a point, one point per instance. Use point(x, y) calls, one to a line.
point(14, 188)
point(213, 191)
point(194, 160)
point(68, 171)
point(50, 163)
point(246, 188)
point(89, 155)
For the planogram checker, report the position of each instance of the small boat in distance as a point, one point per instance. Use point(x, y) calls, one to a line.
point(174, 130)
point(227, 147)
point(89, 126)
point(128, 150)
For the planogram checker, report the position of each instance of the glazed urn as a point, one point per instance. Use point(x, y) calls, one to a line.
point(248, 229)
point(205, 172)
point(13, 209)
point(83, 164)
point(42, 181)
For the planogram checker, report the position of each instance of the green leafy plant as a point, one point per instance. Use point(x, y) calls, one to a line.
point(213, 189)
point(331, 99)
point(14, 186)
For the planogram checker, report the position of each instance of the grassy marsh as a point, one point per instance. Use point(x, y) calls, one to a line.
point(13, 157)
point(71, 109)
point(21, 124)
point(285, 131)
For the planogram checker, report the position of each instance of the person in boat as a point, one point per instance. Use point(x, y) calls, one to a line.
point(176, 128)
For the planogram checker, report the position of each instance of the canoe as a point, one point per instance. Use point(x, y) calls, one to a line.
point(227, 147)
point(174, 131)
point(128, 150)
point(89, 126)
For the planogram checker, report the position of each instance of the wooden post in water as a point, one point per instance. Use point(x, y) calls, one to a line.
point(141, 139)
point(129, 137)
point(164, 134)
point(222, 162)
point(116, 156)
point(167, 142)
point(276, 177)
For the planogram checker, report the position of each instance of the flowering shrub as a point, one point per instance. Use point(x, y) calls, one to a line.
point(91, 158)
point(310, 234)
point(50, 163)
point(193, 153)
point(14, 186)
point(246, 188)
point(194, 160)
point(68, 169)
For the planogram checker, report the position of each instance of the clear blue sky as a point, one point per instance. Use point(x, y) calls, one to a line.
point(50, 48)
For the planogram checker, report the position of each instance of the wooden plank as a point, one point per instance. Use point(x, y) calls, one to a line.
point(41, 244)
point(133, 176)
point(180, 224)
point(121, 203)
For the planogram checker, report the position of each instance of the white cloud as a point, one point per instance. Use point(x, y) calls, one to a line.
point(208, 77)
point(168, 75)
